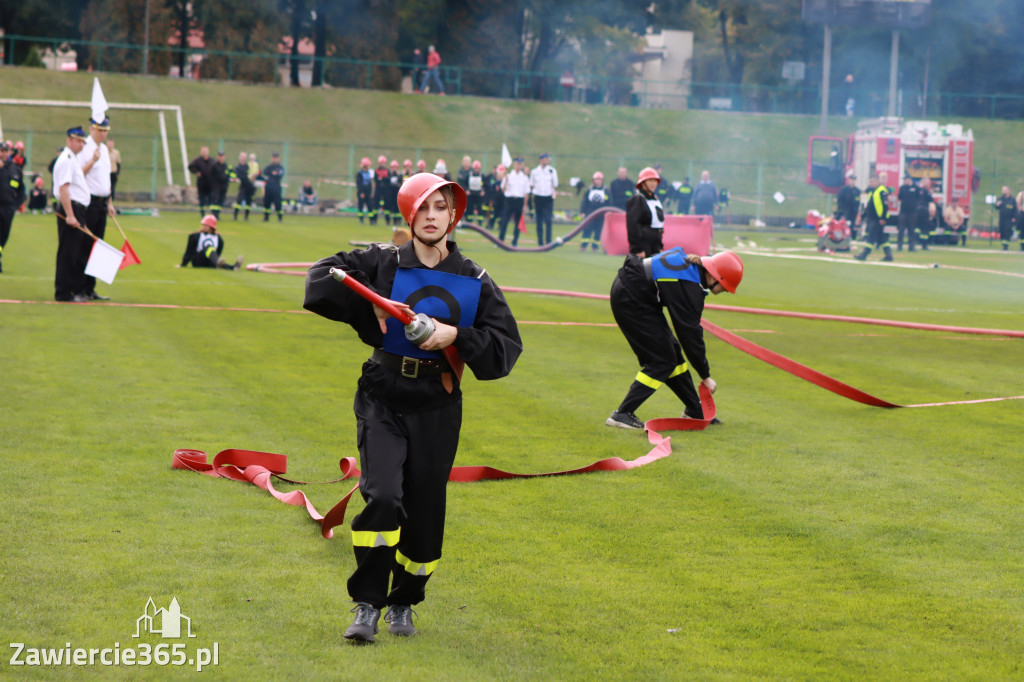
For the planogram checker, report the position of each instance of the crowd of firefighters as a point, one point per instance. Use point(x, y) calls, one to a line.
point(502, 195)
point(917, 222)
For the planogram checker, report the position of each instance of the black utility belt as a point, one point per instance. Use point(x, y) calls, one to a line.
point(93, 199)
point(412, 368)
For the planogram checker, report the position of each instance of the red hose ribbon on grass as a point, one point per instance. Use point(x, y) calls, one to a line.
point(259, 468)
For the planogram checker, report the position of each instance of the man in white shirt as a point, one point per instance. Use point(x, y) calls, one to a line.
point(515, 187)
point(95, 162)
point(73, 244)
point(543, 184)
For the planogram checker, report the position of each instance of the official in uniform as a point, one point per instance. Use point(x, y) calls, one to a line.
point(12, 195)
point(391, 198)
point(515, 187)
point(594, 197)
point(875, 213)
point(221, 178)
point(848, 200)
point(1007, 207)
point(95, 161)
point(926, 211)
point(408, 404)
point(475, 192)
point(676, 282)
point(272, 177)
point(495, 197)
point(73, 244)
point(645, 216)
point(622, 189)
point(115, 168)
point(381, 188)
point(543, 185)
point(246, 186)
point(909, 196)
point(364, 192)
point(684, 195)
point(204, 248)
point(202, 166)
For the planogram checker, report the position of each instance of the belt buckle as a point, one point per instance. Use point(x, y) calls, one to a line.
point(414, 373)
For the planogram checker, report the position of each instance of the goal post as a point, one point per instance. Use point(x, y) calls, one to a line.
point(161, 109)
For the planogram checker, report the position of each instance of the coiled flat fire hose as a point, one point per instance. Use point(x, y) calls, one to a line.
point(260, 467)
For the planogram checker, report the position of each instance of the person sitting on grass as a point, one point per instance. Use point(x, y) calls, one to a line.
point(205, 246)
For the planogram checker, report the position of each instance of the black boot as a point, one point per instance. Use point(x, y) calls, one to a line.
point(863, 255)
point(888, 254)
point(1006, 247)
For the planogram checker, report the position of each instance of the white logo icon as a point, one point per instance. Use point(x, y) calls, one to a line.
point(163, 622)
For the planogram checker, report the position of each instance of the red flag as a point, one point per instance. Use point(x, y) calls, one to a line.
point(522, 222)
point(130, 257)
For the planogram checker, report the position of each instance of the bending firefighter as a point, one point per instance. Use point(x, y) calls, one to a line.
point(408, 404)
point(678, 283)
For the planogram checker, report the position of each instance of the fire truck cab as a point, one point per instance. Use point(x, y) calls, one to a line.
point(921, 149)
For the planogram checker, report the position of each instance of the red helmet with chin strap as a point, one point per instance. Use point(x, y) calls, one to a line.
point(365, 161)
point(647, 174)
point(382, 159)
point(417, 188)
point(726, 268)
point(209, 221)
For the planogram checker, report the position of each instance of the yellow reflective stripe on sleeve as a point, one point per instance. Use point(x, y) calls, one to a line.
point(209, 251)
point(375, 538)
point(647, 381)
point(413, 567)
point(681, 369)
point(876, 198)
point(15, 183)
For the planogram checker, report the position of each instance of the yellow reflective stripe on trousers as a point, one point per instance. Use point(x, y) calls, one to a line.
point(647, 381)
point(681, 369)
point(375, 538)
point(413, 567)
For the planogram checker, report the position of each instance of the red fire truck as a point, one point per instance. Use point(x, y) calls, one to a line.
point(920, 149)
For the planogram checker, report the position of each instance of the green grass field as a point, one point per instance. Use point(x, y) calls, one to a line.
point(809, 537)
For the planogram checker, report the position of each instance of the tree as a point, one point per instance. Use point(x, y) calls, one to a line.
point(253, 27)
point(123, 21)
point(42, 18)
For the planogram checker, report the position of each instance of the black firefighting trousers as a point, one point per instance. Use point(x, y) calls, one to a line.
point(657, 350)
point(405, 460)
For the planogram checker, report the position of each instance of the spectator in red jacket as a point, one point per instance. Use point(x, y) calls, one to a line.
point(433, 71)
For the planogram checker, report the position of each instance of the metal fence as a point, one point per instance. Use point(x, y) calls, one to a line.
point(513, 84)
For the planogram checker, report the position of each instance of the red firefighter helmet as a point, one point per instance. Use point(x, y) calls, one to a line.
point(420, 186)
point(407, 163)
point(209, 221)
point(647, 174)
point(421, 164)
point(476, 165)
point(394, 164)
point(501, 167)
point(365, 161)
point(382, 159)
point(598, 175)
point(726, 268)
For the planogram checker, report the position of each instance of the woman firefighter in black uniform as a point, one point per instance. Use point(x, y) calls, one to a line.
point(678, 282)
point(645, 216)
point(408, 404)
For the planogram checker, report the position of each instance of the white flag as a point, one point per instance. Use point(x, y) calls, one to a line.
point(779, 197)
point(506, 158)
point(99, 102)
point(104, 261)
